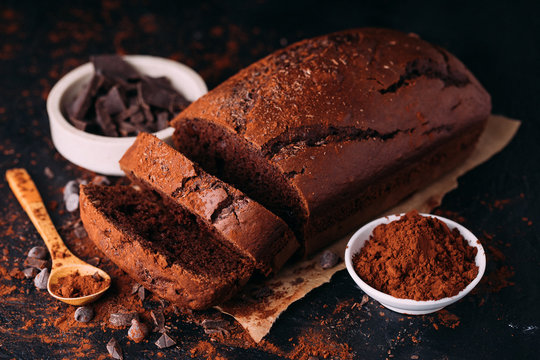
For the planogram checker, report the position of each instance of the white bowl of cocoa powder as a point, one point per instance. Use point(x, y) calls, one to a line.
point(415, 263)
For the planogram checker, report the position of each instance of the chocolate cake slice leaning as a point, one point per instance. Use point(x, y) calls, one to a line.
point(162, 246)
point(331, 131)
point(243, 223)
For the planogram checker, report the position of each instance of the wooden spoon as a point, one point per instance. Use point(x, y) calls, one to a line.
point(64, 263)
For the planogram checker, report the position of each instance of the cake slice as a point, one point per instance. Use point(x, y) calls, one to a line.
point(240, 221)
point(162, 246)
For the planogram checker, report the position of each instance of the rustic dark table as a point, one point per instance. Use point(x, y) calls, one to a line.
point(499, 41)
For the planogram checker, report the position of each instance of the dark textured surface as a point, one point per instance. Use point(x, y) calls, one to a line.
point(497, 41)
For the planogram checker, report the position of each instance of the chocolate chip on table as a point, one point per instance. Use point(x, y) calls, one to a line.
point(84, 314)
point(213, 326)
point(165, 341)
point(30, 272)
point(122, 318)
point(72, 202)
point(328, 259)
point(41, 279)
point(159, 320)
point(138, 331)
point(36, 263)
point(72, 187)
point(38, 252)
point(114, 349)
point(142, 293)
point(48, 172)
point(135, 288)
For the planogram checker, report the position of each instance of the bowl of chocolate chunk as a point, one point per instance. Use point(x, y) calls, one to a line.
point(415, 263)
point(96, 110)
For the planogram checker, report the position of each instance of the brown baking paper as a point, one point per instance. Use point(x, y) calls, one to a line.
point(258, 306)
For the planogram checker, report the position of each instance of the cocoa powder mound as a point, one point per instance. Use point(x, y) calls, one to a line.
point(77, 285)
point(417, 257)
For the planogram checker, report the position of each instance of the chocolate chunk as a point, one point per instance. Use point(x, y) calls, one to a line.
point(165, 341)
point(122, 318)
point(94, 261)
point(126, 129)
point(159, 320)
point(127, 113)
point(138, 331)
point(72, 202)
point(113, 66)
point(79, 124)
point(178, 103)
point(80, 106)
point(114, 101)
point(30, 272)
point(162, 120)
point(153, 94)
point(134, 288)
point(38, 252)
point(72, 187)
point(328, 259)
point(36, 263)
point(103, 118)
point(142, 293)
point(215, 326)
point(114, 349)
point(48, 172)
point(41, 279)
point(79, 231)
point(83, 314)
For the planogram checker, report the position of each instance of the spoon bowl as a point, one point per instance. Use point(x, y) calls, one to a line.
point(80, 269)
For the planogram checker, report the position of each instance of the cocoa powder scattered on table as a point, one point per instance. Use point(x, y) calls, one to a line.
point(417, 257)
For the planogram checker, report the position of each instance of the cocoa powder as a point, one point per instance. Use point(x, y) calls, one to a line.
point(77, 285)
point(416, 257)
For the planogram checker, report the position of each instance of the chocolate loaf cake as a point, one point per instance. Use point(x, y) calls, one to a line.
point(162, 246)
point(253, 230)
point(331, 131)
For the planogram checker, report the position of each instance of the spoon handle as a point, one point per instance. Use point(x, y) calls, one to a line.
point(28, 195)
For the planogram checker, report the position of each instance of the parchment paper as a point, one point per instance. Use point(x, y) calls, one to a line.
point(258, 306)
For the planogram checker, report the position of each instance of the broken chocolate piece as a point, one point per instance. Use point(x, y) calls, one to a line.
point(79, 124)
point(83, 314)
point(41, 279)
point(138, 331)
point(142, 293)
point(328, 259)
point(30, 272)
point(215, 326)
point(38, 252)
point(103, 118)
point(159, 320)
point(114, 101)
point(165, 341)
point(122, 318)
point(113, 66)
point(135, 288)
point(36, 263)
point(82, 103)
point(162, 120)
point(114, 349)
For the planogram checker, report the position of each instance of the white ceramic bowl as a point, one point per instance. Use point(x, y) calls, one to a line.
point(408, 306)
point(102, 153)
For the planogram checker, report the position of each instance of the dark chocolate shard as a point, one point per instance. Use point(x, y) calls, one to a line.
point(114, 349)
point(126, 129)
point(36, 263)
point(104, 119)
point(165, 341)
point(215, 326)
point(153, 94)
point(159, 320)
point(122, 318)
point(138, 118)
point(162, 120)
point(79, 124)
point(114, 101)
point(80, 106)
point(127, 113)
point(178, 103)
point(113, 66)
point(328, 259)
